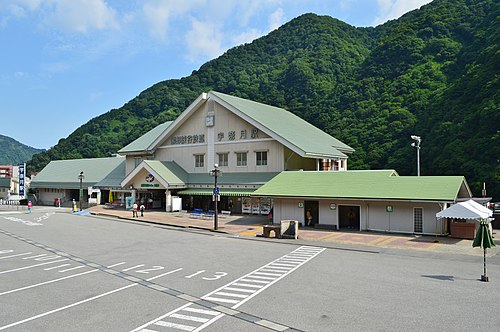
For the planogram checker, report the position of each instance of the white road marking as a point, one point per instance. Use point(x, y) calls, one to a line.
point(116, 265)
point(247, 285)
point(26, 253)
point(240, 290)
point(66, 307)
point(29, 267)
point(164, 274)
point(55, 267)
point(176, 326)
point(72, 268)
point(47, 282)
point(202, 311)
point(194, 274)
point(191, 318)
point(133, 267)
point(250, 285)
point(41, 255)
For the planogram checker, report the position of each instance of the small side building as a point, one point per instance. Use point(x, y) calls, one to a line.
point(60, 179)
point(365, 200)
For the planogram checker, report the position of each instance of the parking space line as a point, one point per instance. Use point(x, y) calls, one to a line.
point(26, 253)
point(72, 268)
point(41, 255)
point(234, 293)
point(117, 264)
point(47, 282)
point(66, 307)
point(29, 267)
point(55, 267)
point(133, 267)
point(164, 274)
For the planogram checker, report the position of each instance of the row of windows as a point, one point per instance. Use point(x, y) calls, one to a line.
point(241, 159)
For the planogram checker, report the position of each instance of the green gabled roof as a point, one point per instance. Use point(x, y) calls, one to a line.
point(63, 174)
point(310, 140)
point(170, 171)
point(364, 185)
point(113, 179)
point(145, 142)
point(256, 178)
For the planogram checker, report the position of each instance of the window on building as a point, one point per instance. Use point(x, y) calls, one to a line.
point(418, 220)
point(241, 158)
point(223, 159)
point(199, 160)
point(137, 161)
point(261, 158)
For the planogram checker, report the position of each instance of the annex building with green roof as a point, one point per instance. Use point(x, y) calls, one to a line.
point(265, 157)
point(365, 200)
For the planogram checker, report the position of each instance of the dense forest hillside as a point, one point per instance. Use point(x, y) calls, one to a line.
point(13, 153)
point(433, 73)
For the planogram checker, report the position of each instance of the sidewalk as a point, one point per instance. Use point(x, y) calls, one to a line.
point(251, 226)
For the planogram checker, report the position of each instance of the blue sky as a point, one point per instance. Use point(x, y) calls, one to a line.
point(64, 62)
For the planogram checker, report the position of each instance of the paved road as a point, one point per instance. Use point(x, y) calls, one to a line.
point(61, 272)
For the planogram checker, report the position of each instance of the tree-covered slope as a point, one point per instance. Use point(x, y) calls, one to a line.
point(432, 73)
point(13, 153)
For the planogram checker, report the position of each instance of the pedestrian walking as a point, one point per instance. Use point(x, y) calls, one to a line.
point(142, 210)
point(30, 205)
point(74, 206)
point(134, 210)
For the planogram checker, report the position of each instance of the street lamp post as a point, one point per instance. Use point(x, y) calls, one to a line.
point(215, 173)
point(81, 177)
point(416, 144)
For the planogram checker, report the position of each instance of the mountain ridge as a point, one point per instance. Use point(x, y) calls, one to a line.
point(13, 152)
point(430, 73)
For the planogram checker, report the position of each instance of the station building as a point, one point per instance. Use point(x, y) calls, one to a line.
point(265, 157)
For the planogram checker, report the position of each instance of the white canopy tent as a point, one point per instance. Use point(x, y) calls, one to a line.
point(470, 210)
point(466, 210)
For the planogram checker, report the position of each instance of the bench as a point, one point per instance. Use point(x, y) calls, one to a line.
point(197, 213)
point(225, 213)
point(208, 215)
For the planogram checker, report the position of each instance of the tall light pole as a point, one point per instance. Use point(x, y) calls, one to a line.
point(416, 144)
point(215, 172)
point(81, 177)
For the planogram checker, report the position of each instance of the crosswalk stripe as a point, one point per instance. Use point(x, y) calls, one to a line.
point(231, 294)
point(191, 318)
point(201, 311)
point(217, 299)
point(175, 326)
point(247, 285)
point(240, 290)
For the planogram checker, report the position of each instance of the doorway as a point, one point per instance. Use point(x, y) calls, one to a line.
point(313, 208)
point(349, 217)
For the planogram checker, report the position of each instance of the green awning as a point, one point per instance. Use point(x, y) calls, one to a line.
point(222, 191)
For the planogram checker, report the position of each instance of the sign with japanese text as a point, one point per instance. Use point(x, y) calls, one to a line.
point(22, 169)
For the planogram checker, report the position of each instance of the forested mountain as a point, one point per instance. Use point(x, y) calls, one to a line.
point(13, 153)
point(433, 73)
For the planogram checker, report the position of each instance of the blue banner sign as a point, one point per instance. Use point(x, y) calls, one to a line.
point(22, 168)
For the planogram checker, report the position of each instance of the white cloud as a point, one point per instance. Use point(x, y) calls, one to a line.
point(81, 15)
point(158, 14)
point(246, 36)
point(204, 40)
point(393, 9)
point(276, 19)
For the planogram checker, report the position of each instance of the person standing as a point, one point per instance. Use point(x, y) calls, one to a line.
point(30, 205)
point(308, 217)
point(142, 210)
point(134, 210)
